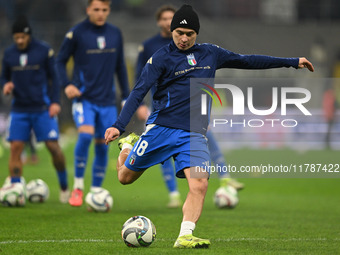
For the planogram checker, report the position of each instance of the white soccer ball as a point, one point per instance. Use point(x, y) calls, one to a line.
point(37, 191)
point(13, 194)
point(226, 197)
point(138, 231)
point(99, 200)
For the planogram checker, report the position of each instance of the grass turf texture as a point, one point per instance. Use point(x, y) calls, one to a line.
point(274, 216)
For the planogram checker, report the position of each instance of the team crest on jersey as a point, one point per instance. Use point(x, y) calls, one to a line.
point(101, 42)
point(23, 59)
point(132, 159)
point(191, 59)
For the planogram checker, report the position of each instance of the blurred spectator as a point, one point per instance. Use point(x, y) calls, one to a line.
point(329, 109)
point(319, 56)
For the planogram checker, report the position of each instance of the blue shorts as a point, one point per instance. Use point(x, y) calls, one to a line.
point(21, 123)
point(158, 143)
point(100, 117)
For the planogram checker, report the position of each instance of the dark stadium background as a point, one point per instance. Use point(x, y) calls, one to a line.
point(289, 28)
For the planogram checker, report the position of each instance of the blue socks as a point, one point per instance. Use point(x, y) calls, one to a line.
point(99, 164)
point(62, 177)
point(15, 179)
point(81, 153)
point(169, 175)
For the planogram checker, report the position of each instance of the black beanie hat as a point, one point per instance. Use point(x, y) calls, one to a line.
point(21, 25)
point(185, 17)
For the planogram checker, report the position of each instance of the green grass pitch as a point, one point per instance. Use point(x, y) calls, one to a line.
point(274, 216)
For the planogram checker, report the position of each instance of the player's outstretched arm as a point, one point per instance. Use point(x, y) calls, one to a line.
point(111, 134)
point(304, 63)
point(8, 88)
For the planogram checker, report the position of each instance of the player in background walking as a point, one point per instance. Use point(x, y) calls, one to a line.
point(28, 67)
point(169, 132)
point(97, 49)
point(163, 17)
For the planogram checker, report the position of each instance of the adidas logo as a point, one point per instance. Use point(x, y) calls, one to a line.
point(52, 134)
point(183, 22)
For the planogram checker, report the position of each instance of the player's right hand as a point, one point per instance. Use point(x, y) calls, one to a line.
point(111, 134)
point(304, 63)
point(8, 88)
point(72, 91)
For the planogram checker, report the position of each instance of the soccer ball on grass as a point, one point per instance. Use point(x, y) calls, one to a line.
point(226, 197)
point(13, 194)
point(138, 231)
point(99, 200)
point(37, 191)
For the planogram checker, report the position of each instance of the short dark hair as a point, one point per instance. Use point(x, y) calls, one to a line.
point(162, 9)
point(104, 1)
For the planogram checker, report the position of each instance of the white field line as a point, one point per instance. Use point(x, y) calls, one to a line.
point(245, 239)
point(57, 241)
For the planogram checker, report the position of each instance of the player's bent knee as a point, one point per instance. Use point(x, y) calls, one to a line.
point(199, 185)
point(125, 179)
point(127, 176)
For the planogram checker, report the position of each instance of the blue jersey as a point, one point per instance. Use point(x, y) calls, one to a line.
point(148, 48)
point(170, 70)
point(33, 73)
point(98, 55)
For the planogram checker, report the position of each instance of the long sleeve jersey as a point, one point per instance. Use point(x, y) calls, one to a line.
point(171, 69)
point(147, 49)
point(33, 73)
point(98, 56)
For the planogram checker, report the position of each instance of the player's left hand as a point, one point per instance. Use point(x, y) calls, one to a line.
point(304, 63)
point(111, 134)
point(54, 109)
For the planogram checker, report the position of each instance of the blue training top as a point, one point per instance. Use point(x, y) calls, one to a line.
point(148, 48)
point(98, 55)
point(170, 70)
point(31, 71)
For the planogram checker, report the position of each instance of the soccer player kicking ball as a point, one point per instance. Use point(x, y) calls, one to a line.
point(27, 67)
point(168, 133)
point(164, 17)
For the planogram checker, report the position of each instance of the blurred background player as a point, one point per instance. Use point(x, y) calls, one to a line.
point(218, 159)
point(28, 66)
point(329, 106)
point(97, 50)
point(29, 154)
point(164, 17)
